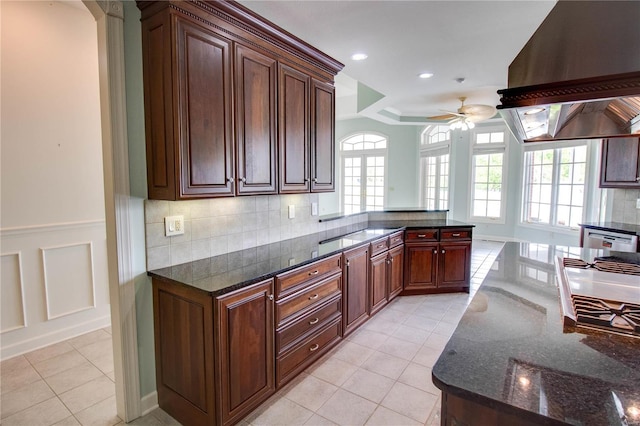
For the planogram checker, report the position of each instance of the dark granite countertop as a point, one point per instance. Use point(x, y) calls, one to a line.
point(222, 274)
point(625, 228)
point(509, 351)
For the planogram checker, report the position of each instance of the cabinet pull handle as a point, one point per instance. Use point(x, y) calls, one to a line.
point(455, 235)
point(230, 180)
point(314, 321)
point(421, 235)
point(380, 246)
point(315, 296)
point(271, 297)
point(314, 347)
point(313, 273)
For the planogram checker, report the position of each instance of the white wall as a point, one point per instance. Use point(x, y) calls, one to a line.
point(52, 214)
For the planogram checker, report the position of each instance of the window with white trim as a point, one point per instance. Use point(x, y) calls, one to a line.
point(555, 186)
point(434, 167)
point(364, 157)
point(487, 174)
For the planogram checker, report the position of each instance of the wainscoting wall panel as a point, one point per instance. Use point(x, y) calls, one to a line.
point(68, 279)
point(54, 284)
point(13, 315)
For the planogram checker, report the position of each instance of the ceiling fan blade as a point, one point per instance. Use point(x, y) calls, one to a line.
point(477, 113)
point(442, 117)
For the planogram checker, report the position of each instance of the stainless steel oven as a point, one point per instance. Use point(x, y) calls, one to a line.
point(599, 239)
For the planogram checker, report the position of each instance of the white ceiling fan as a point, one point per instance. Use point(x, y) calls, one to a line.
point(467, 115)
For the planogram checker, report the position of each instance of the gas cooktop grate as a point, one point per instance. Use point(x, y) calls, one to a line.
point(611, 316)
point(604, 266)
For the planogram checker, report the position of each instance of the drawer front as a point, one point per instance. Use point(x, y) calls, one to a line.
point(303, 354)
point(379, 246)
point(455, 234)
point(422, 235)
point(396, 239)
point(305, 300)
point(308, 323)
point(287, 283)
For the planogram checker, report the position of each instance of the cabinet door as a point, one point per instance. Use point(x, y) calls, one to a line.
point(421, 266)
point(356, 294)
point(322, 137)
point(245, 349)
point(378, 275)
point(256, 140)
point(454, 264)
point(203, 64)
point(396, 269)
point(293, 140)
point(620, 166)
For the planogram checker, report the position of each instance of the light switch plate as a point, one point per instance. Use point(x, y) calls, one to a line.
point(314, 209)
point(173, 225)
point(292, 211)
point(637, 203)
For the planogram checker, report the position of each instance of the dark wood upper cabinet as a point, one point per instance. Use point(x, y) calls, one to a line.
point(256, 137)
point(322, 137)
point(224, 91)
point(620, 167)
point(294, 130)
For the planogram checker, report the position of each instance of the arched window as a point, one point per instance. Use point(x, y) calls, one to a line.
point(434, 167)
point(364, 157)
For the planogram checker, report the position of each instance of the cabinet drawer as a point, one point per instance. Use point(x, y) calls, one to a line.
point(396, 239)
point(455, 234)
point(308, 323)
point(288, 282)
point(422, 235)
point(307, 299)
point(303, 354)
point(380, 245)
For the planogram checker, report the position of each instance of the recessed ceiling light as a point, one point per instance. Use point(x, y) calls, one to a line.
point(359, 56)
point(425, 75)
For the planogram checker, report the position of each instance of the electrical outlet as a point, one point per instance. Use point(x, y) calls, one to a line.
point(173, 225)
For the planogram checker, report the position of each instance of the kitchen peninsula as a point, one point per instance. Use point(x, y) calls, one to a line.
point(232, 329)
point(510, 362)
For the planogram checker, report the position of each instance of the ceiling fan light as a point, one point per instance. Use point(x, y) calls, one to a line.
point(471, 124)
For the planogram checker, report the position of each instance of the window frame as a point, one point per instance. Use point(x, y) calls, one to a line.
point(490, 148)
point(588, 187)
point(434, 150)
point(363, 154)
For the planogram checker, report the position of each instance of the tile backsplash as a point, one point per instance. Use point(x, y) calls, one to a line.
point(223, 225)
point(624, 202)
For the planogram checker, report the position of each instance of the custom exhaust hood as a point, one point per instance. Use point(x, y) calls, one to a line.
point(578, 76)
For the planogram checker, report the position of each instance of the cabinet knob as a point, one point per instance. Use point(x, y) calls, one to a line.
point(435, 252)
point(243, 180)
point(315, 296)
point(230, 180)
point(638, 179)
point(315, 180)
point(271, 297)
point(314, 321)
point(314, 347)
point(306, 179)
point(442, 251)
point(348, 262)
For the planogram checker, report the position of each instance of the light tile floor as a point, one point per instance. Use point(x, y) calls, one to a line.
point(379, 375)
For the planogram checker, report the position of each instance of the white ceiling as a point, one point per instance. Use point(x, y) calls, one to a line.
point(475, 40)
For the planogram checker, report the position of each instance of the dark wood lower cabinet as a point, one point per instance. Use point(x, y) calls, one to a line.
point(356, 288)
point(244, 346)
point(196, 373)
point(396, 271)
point(379, 282)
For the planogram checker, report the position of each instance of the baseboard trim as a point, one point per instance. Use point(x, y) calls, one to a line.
point(57, 336)
point(148, 403)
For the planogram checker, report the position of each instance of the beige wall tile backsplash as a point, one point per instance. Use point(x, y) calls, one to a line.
point(624, 206)
point(222, 225)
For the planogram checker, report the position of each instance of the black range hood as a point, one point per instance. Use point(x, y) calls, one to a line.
point(578, 77)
